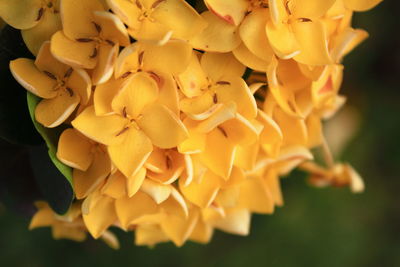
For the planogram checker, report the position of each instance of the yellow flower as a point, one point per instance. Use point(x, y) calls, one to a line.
point(37, 19)
point(61, 87)
point(158, 19)
point(90, 38)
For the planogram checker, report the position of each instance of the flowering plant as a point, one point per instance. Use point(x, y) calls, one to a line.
point(173, 118)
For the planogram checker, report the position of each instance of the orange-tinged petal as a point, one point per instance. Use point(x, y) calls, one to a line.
point(312, 40)
point(232, 12)
point(74, 150)
point(202, 232)
point(346, 42)
point(290, 76)
point(105, 129)
point(87, 181)
point(361, 5)
point(172, 57)
point(282, 40)
point(314, 130)
point(21, 14)
point(73, 53)
point(43, 217)
point(219, 36)
point(33, 80)
point(253, 34)
point(294, 130)
point(157, 191)
point(202, 194)
point(139, 92)
point(236, 90)
point(111, 27)
point(104, 94)
point(130, 155)
point(247, 58)
point(194, 79)
point(130, 209)
point(255, 196)
point(115, 186)
point(134, 182)
point(180, 17)
point(178, 229)
point(106, 56)
point(175, 204)
point(174, 167)
point(218, 65)
point(128, 60)
point(53, 112)
point(36, 36)
point(218, 154)
point(310, 8)
point(271, 136)
point(100, 217)
point(77, 18)
point(236, 221)
point(236, 178)
point(246, 156)
point(162, 126)
point(168, 92)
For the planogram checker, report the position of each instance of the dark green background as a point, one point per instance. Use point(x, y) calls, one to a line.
point(316, 227)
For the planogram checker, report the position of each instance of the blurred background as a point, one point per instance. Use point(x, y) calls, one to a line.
point(316, 227)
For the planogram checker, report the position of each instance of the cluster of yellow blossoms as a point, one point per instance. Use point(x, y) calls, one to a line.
point(166, 138)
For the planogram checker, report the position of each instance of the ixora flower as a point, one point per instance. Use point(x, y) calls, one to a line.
point(189, 127)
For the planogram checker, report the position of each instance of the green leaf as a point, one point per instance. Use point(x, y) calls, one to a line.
point(51, 187)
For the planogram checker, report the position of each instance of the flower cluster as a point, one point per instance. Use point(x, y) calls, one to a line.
point(189, 127)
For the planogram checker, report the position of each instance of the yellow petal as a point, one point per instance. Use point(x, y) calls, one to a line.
point(310, 8)
point(43, 217)
point(162, 126)
point(282, 40)
point(111, 27)
point(130, 209)
point(278, 11)
point(134, 182)
point(312, 40)
point(236, 221)
point(157, 191)
point(74, 150)
point(33, 80)
point(104, 94)
point(222, 114)
point(180, 17)
point(174, 167)
point(253, 34)
point(149, 235)
point(36, 36)
point(245, 156)
point(168, 92)
point(218, 154)
point(128, 60)
point(21, 14)
point(115, 186)
point(219, 36)
point(195, 142)
point(294, 130)
point(172, 57)
point(202, 232)
point(271, 136)
point(127, 11)
point(77, 18)
point(175, 204)
point(255, 196)
point(240, 131)
point(101, 216)
point(347, 41)
point(139, 92)
point(87, 181)
point(247, 58)
point(236, 90)
point(106, 56)
point(202, 194)
point(272, 181)
point(157, 161)
point(232, 12)
point(105, 129)
point(45, 61)
point(60, 231)
point(73, 53)
point(79, 81)
point(217, 65)
point(361, 5)
point(53, 112)
point(194, 79)
point(178, 229)
point(130, 155)
point(110, 239)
